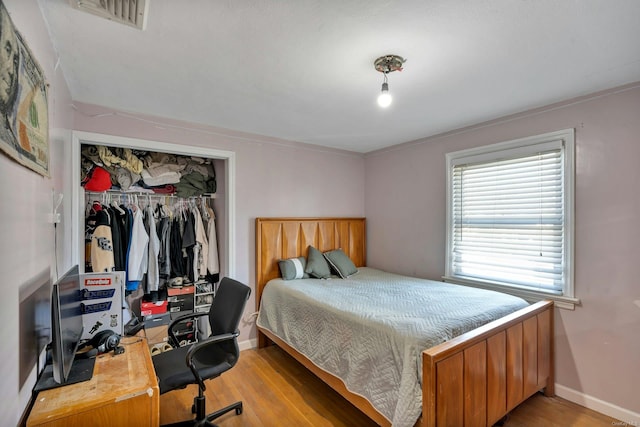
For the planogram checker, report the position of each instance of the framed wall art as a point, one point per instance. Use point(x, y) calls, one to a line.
point(24, 117)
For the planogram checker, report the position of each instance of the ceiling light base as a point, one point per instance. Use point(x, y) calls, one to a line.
point(388, 63)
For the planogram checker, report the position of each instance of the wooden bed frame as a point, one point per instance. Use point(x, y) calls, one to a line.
point(474, 379)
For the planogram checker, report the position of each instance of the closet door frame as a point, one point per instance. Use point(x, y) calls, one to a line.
point(77, 212)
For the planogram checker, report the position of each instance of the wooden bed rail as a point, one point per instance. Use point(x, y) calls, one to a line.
point(477, 378)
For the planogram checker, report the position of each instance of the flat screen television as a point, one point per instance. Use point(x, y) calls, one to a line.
point(66, 333)
point(66, 320)
point(35, 324)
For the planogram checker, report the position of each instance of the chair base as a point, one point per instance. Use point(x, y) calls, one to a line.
point(198, 405)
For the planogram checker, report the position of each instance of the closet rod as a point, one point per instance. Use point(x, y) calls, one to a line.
point(144, 193)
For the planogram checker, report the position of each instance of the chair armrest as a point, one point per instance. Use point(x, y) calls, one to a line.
point(172, 336)
point(199, 346)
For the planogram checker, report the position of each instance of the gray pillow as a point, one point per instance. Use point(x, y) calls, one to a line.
point(317, 265)
point(293, 268)
point(340, 263)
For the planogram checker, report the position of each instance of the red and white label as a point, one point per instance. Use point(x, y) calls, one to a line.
point(104, 281)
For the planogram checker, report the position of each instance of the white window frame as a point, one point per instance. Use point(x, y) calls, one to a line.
point(505, 149)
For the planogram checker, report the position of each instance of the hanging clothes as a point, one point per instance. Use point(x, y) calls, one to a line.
point(203, 245)
point(152, 245)
point(125, 216)
point(177, 264)
point(102, 244)
point(153, 271)
point(119, 249)
point(164, 234)
point(138, 257)
point(127, 233)
point(188, 243)
point(89, 228)
point(213, 264)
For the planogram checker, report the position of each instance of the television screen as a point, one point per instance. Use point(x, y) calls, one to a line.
point(66, 320)
point(66, 333)
point(35, 323)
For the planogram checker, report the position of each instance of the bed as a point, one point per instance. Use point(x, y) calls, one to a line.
point(473, 379)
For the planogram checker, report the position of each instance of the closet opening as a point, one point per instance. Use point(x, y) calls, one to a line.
point(222, 200)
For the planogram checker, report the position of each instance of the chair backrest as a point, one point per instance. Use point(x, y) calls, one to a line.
point(228, 306)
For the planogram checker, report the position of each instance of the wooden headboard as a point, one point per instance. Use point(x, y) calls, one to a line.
point(282, 238)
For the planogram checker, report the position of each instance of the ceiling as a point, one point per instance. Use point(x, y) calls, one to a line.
point(302, 70)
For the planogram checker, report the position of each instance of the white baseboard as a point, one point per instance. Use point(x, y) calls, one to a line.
point(248, 344)
point(627, 417)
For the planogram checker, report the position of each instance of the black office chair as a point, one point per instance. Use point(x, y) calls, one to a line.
point(208, 358)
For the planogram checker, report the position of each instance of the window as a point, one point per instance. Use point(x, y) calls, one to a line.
point(510, 217)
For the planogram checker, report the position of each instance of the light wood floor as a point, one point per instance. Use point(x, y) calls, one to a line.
point(277, 391)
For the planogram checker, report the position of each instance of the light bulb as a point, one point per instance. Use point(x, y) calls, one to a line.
point(384, 99)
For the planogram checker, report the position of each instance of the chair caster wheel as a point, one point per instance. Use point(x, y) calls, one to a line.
point(238, 411)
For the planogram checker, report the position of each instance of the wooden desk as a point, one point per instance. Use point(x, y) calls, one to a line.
point(123, 392)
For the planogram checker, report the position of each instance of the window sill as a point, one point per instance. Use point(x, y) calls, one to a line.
point(560, 301)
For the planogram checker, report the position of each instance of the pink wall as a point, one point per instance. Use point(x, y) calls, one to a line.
point(273, 177)
point(598, 344)
point(26, 238)
point(402, 192)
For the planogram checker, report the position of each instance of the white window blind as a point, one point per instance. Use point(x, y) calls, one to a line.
point(508, 216)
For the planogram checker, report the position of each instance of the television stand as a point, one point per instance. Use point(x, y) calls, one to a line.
point(122, 392)
point(81, 370)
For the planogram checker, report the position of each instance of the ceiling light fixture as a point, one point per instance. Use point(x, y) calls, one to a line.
point(386, 64)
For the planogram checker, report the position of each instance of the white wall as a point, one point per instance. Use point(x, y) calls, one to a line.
point(26, 237)
point(597, 345)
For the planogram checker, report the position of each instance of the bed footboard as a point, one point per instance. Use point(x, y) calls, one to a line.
point(478, 377)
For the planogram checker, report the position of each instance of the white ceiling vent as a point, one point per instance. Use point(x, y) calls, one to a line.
point(128, 12)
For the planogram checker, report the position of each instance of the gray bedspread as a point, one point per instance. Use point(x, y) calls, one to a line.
point(370, 329)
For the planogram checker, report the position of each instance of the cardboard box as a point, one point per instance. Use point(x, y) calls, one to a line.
point(181, 307)
point(176, 314)
point(102, 302)
point(157, 335)
point(149, 307)
point(180, 298)
point(180, 291)
point(154, 320)
point(179, 303)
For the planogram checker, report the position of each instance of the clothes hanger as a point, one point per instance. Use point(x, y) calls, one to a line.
point(117, 207)
point(204, 212)
point(108, 200)
point(166, 208)
point(212, 213)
